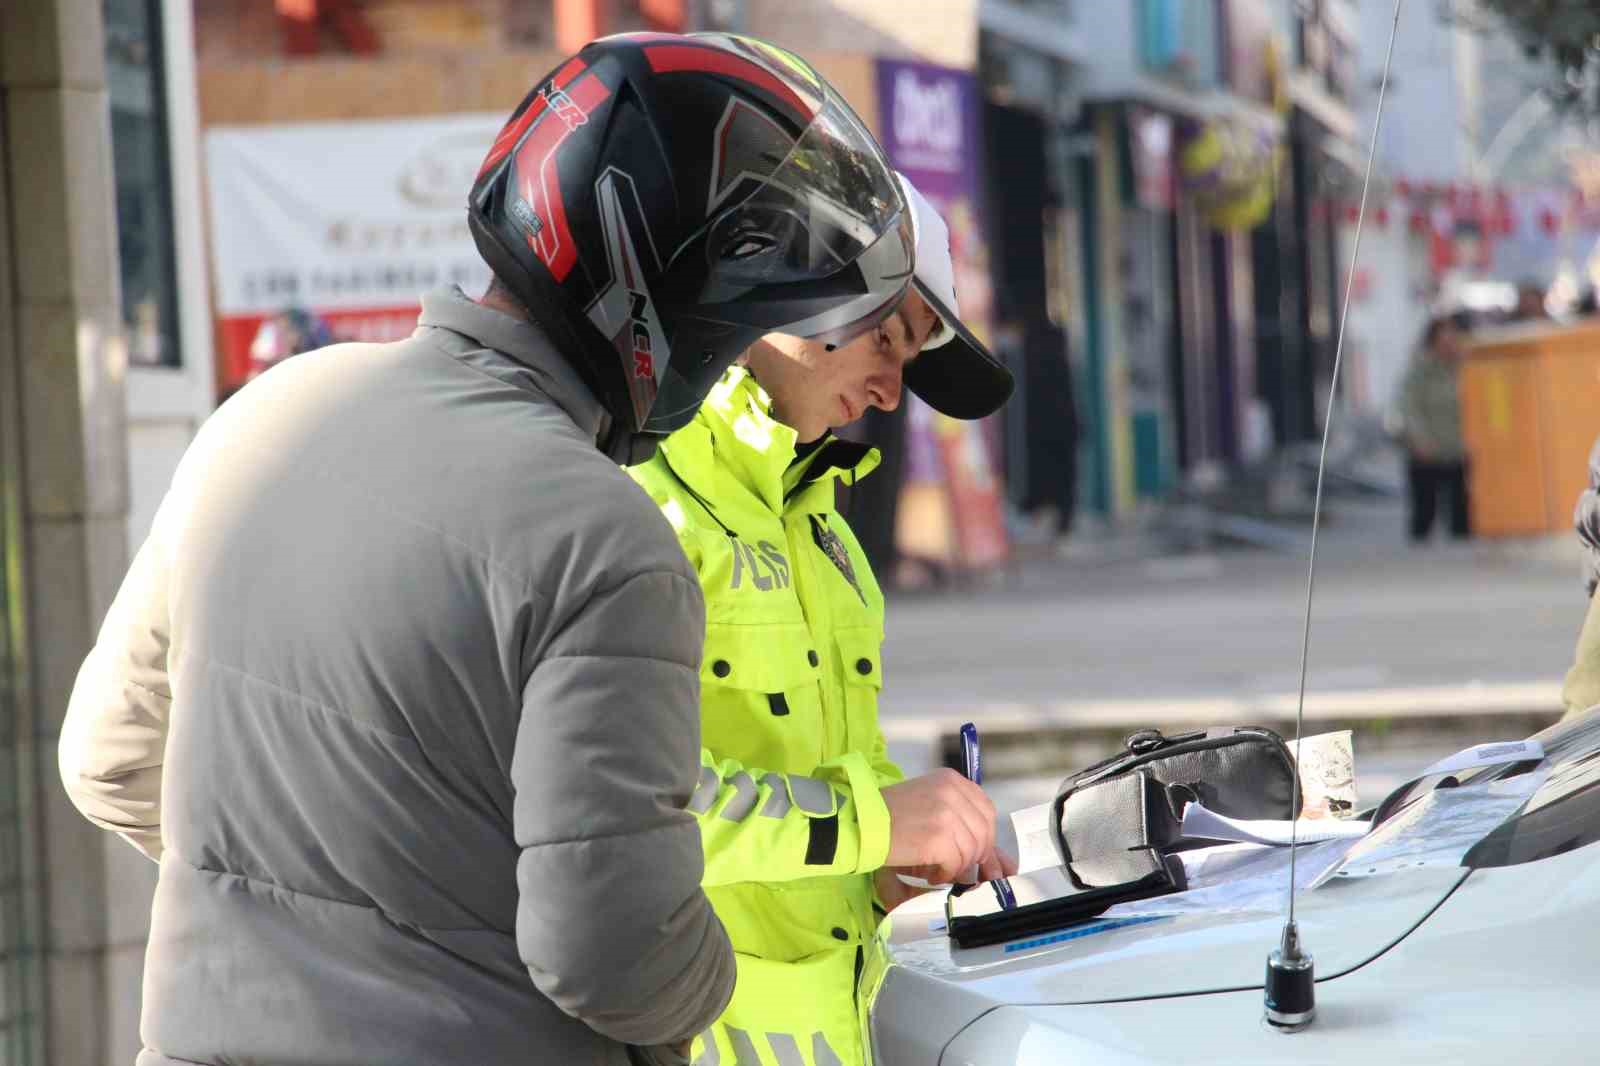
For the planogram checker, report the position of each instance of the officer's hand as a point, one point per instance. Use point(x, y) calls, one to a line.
point(995, 865)
point(891, 890)
point(941, 823)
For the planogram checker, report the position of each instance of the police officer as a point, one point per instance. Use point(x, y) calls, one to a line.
point(805, 818)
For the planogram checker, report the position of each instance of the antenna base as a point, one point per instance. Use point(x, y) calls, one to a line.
point(1291, 989)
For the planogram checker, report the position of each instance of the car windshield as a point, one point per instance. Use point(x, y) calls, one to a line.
point(1561, 815)
point(1494, 816)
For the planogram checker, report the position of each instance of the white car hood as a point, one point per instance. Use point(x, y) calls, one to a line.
point(1356, 901)
point(1499, 973)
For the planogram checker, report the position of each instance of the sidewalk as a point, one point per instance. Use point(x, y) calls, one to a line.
point(1414, 648)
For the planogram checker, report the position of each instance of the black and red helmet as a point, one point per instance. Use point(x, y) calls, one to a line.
point(660, 202)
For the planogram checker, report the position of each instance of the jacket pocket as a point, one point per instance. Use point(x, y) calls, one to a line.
point(860, 650)
point(760, 696)
point(806, 1005)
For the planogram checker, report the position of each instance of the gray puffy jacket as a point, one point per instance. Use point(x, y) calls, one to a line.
point(402, 690)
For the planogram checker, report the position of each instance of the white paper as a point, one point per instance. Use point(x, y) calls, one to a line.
point(1036, 847)
point(1202, 824)
point(1326, 764)
point(1199, 862)
point(1487, 755)
point(1243, 878)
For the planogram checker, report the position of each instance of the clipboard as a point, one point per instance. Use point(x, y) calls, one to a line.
point(1051, 899)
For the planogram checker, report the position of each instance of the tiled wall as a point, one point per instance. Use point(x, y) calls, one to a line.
point(63, 464)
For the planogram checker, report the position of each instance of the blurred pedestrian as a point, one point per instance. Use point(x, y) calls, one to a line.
point(1430, 414)
point(1530, 303)
point(1051, 411)
point(1588, 302)
point(803, 814)
point(289, 332)
point(1581, 691)
point(1042, 431)
point(402, 690)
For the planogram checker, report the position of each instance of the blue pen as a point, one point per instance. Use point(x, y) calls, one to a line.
point(972, 766)
point(971, 761)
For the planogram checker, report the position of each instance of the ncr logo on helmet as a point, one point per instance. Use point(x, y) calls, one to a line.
point(624, 310)
point(565, 108)
point(644, 364)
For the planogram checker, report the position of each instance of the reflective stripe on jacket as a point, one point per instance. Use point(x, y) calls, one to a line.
point(788, 801)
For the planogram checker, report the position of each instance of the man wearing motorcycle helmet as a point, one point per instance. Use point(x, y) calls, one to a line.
point(401, 690)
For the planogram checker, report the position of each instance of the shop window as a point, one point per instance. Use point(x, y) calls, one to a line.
point(1178, 39)
point(142, 169)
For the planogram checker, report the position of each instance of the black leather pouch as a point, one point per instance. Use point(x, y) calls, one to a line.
point(1118, 824)
point(1116, 830)
point(1134, 800)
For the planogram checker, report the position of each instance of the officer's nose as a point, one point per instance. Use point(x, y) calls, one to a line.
point(883, 390)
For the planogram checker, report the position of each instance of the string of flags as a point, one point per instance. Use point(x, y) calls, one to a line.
point(1444, 210)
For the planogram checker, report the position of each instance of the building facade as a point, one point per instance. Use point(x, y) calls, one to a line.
point(1299, 272)
point(110, 356)
point(1190, 156)
point(89, 270)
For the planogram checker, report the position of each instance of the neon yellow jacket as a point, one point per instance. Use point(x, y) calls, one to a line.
point(793, 759)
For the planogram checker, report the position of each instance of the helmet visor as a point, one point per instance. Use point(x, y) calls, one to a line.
point(828, 223)
point(807, 233)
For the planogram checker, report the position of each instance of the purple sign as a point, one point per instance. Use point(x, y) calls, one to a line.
point(929, 120)
point(930, 127)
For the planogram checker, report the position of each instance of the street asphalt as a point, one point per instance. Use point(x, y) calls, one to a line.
point(1472, 639)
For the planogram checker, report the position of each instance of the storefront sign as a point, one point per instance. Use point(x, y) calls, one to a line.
point(1254, 57)
point(1151, 137)
point(930, 129)
point(351, 221)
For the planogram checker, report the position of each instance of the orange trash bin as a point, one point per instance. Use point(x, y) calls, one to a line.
point(1530, 412)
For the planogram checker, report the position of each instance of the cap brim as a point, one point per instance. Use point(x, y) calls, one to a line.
point(959, 378)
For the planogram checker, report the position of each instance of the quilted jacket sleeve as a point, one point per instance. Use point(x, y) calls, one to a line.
point(115, 733)
point(612, 922)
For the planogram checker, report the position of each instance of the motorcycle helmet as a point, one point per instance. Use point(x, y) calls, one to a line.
point(660, 201)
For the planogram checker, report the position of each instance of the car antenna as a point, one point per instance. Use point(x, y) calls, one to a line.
point(1290, 995)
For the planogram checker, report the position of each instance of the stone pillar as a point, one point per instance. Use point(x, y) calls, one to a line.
point(65, 483)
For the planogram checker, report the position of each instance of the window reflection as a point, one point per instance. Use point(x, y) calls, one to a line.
point(135, 84)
